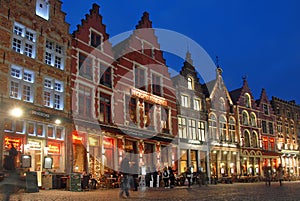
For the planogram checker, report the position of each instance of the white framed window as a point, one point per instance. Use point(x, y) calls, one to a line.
point(182, 127)
point(24, 40)
point(184, 101)
point(201, 130)
point(192, 129)
point(197, 104)
point(190, 82)
point(53, 93)
point(21, 83)
point(42, 9)
point(54, 55)
point(60, 133)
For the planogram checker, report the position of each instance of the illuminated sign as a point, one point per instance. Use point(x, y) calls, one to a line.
point(148, 96)
point(41, 114)
point(76, 137)
point(53, 149)
point(34, 145)
point(15, 141)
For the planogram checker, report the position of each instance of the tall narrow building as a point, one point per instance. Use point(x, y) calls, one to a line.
point(35, 81)
point(144, 100)
point(193, 150)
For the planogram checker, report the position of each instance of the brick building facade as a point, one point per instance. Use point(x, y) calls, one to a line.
point(35, 77)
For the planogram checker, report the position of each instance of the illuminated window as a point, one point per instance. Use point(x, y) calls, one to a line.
point(222, 128)
point(231, 129)
point(190, 83)
point(245, 118)
point(53, 93)
point(192, 129)
point(212, 126)
point(184, 101)
point(182, 129)
point(165, 120)
point(24, 40)
point(42, 9)
point(247, 100)
point(149, 117)
point(54, 55)
point(254, 140)
point(201, 131)
point(21, 84)
point(197, 104)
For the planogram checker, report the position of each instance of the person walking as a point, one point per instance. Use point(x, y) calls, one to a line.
point(280, 174)
point(172, 177)
point(268, 175)
point(124, 170)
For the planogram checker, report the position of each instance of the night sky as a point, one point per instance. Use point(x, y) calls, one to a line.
point(259, 39)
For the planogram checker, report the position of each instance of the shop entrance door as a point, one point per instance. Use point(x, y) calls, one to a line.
point(35, 151)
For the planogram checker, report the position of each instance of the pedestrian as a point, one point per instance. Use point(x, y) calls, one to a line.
point(155, 174)
point(166, 177)
point(280, 174)
point(9, 163)
point(135, 175)
point(172, 177)
point(268, 175)
point(188, 175)
point(124, 170)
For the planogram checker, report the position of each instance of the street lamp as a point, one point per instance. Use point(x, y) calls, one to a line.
point(16, 112)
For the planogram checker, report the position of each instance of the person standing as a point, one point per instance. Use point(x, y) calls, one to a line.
point(155, 174)
point(280, 174)
point(172, 177)
point(125, 170)
point(188, 174)
point(9, 163)
point(166, 176)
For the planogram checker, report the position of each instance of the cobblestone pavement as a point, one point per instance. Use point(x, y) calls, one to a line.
point(224, 192)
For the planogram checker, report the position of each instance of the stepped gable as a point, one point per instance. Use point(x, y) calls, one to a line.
point(144, 22)
point(92, 20)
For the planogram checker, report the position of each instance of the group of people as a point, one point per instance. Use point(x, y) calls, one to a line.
point(269, 174)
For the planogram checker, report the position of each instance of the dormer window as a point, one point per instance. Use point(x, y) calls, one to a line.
point(96, 40)
point(190, 83)
point(247, 100)
point(42, 9)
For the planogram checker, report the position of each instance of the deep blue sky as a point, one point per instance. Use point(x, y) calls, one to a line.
point(256, 38)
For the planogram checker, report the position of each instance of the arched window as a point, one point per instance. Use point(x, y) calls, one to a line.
point(245, 118)
point(222, 128)
point(222, 104)
point(231, 125)
point(212, 126)
point(246, 139)
point(247, 100)
point(254, 140)
point(253, 119)
point(190, 83)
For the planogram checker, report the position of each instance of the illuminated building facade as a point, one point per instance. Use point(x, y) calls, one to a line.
point(288, 129)
point(35, 75)
point(192, 120)
point(247, 114)
point(223, 137)
point(92, 78)
point(144, 100)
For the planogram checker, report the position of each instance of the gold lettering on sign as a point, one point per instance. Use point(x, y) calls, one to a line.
point(149, 97)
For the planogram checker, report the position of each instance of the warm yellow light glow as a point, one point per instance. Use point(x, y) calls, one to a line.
point(58, 121)
point(16, 112)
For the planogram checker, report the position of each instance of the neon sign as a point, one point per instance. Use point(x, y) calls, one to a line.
point(148, 96)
